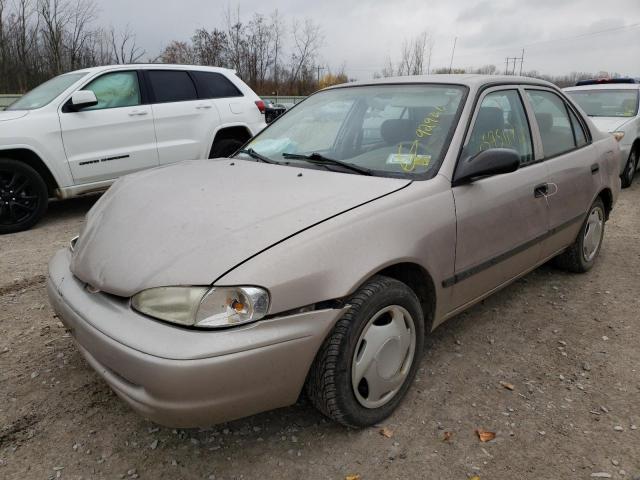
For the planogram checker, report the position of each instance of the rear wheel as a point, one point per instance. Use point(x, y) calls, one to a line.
point(23, 196)
point(225, 147)
point(630, 168)
point(368, 362)
point(581, 256)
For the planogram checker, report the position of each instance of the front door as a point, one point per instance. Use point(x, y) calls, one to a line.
point(114, 137)
point(499, 218)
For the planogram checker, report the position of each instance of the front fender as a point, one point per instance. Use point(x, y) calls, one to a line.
point(332, 259)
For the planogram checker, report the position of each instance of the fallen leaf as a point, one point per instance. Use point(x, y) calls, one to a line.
point(352, 477)
point(475, 477)
point(484, 435)
point(447, 436)
point(386, 432)
point(507, 385)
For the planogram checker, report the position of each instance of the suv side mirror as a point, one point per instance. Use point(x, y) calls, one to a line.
point(82, 99)
point(493, 161)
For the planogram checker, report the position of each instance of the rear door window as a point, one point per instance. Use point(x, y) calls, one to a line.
point(501, 123)
point(215, 85)
point(172, 86)
point(555, 127)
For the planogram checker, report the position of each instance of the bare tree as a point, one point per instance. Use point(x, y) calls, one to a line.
point(178, 52)
point(277, 31)
point(82, 14)
point(124, 46)
point(210, 48)
point(55, 16)
point(307, 38)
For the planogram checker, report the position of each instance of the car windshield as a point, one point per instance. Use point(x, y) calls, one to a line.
point(387, 130)
point(607, 103)
point(45, 93)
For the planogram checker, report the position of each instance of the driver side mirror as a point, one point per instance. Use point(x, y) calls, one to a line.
point(493, 161)
point(82, 99)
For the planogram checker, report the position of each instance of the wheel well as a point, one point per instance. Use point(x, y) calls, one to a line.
point(607, 199)
point(418, 280)
point(236, 133)
point(34, 161)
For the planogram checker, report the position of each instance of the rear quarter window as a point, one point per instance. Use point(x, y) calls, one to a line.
point(215, 85)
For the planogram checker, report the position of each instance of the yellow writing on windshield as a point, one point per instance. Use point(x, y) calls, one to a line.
point(429, 123)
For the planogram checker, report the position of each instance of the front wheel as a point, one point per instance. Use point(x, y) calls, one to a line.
point(23, 196)
point(369, 360)
point(630, 168)
point(582, 254)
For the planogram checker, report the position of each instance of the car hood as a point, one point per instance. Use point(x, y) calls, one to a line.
point(609, 124)
point(12, 114)
point(192, 222)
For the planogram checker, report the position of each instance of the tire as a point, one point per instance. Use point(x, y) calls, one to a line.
point(23, 196)
point(225, 147)
point(331, 383)
point(630, 168)
point(582, 254)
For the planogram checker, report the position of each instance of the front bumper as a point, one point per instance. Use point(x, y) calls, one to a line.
point(186, 378)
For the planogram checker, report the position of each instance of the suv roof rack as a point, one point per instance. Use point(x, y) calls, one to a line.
point(597, 81)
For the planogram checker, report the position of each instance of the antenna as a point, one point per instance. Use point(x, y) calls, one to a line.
point(452, 52)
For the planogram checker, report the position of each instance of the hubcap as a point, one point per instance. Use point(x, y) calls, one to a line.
point(18, 200)
point(383, 356)
point(593, 234)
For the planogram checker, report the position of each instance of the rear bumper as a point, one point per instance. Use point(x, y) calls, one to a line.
point(186, 378)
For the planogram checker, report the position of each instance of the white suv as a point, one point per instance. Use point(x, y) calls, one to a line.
point(612, 104)
point(79, 132)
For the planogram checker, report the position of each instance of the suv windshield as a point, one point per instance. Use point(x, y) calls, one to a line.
point(45, 93)
point(390, 130)
point(607, 103)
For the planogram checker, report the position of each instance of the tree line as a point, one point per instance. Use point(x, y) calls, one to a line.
point(272, 53)
point(43, 38)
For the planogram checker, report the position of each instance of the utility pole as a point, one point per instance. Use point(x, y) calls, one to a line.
point(453, 50)
point(319, 68)
point(515, 61)
point(521, 61)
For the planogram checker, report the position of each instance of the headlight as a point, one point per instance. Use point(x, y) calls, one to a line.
point(203, 306)
point(618, 135)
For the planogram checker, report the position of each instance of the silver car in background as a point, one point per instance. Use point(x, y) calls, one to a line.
point(322, 253)
point(613, 108)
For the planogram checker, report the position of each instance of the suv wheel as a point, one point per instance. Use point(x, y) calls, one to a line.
point(368, 362)
point(225, 147)
point(23, 196)
point(630, 167)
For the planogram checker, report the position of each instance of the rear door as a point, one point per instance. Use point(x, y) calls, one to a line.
point(183, 122)
point(114, 137)
point(574, 166)
point(501, 219)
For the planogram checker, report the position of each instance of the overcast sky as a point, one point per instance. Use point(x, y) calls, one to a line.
point(558, 36)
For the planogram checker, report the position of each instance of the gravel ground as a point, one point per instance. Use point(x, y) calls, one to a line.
point(550, 364)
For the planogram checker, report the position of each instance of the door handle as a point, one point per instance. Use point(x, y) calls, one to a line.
point(595, 168)
point(203, 107)
point(137, 113)
point(541, 190)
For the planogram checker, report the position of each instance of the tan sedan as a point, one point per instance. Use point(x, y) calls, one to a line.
point(322, 253)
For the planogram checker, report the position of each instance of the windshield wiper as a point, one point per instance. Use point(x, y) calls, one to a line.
point(319, 159)
point(253, 154)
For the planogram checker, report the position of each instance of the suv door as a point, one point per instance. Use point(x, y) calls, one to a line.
point(114, 137)
point(501, 219)
point(573, 164)
point(184, 123)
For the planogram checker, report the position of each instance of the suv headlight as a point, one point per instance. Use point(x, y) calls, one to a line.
point(203, 307)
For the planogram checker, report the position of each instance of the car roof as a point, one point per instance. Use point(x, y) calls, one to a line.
point(152, 66)
point(470, 80)
point(605, 86)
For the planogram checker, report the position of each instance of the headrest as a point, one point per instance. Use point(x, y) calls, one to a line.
point(545, 122)
point(489, 119)
point(629, 105)
point(394, 131)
